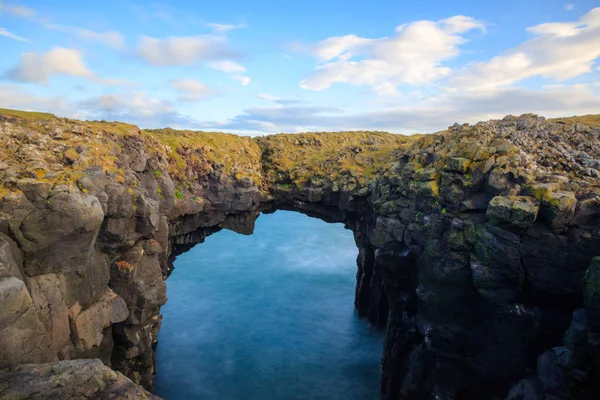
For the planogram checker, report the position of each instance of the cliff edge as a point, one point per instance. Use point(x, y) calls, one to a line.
point(476, 244)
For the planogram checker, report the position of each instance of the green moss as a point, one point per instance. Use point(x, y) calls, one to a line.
point(71, 155)
point(178, 194)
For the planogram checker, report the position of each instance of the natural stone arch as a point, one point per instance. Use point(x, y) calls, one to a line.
point(473, 246)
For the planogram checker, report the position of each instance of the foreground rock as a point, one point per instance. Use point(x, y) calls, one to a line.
point(473, 243)
point(77, 379)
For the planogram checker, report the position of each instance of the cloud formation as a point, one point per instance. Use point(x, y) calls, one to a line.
point(413, 55)
point(10, 35)
point(186, 50)
point(558, 51)
point(266, 96)
point(223, 28)
point(109, 38)
point(18, 11)
point(429, 115)
point(136, 108)
point(14, 96)
point(226, 66)
point(39, 67)
point(192, 90)
point(243, 80)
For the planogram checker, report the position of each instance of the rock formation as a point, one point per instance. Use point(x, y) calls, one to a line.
point(79, 379)
point(473, 243)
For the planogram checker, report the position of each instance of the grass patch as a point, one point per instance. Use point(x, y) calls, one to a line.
point(335, 156)
point(27, 114)
point(590, 119)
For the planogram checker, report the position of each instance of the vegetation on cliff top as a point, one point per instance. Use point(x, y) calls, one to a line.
point(298, 159)
point(590, 120)
point(45, 147)
point(236, 156)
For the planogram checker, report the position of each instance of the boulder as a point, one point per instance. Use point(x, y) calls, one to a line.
point(516, 211)
point(23, 337)
point(89, 324)
point(74, 379)
point(457, 164)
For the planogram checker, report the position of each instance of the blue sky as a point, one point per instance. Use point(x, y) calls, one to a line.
point(265, 66)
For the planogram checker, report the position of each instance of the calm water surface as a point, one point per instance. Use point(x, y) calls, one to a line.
point(268, 316)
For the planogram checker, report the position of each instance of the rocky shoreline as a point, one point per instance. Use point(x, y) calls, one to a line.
point(476, 245)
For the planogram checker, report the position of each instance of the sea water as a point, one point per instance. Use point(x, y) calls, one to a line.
point(268, 316)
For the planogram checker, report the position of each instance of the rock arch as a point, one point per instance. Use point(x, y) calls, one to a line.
point(473, 249)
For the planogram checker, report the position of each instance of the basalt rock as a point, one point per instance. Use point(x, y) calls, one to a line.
point(473, 244)
point(76, 379)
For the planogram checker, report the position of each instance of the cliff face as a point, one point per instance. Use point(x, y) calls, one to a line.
point(473, 242)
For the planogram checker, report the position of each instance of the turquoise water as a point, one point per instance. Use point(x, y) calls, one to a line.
point(268, 316)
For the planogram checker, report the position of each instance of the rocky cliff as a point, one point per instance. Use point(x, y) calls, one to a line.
point(476, 244)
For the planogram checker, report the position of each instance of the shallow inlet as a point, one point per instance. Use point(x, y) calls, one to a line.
point(268, 316)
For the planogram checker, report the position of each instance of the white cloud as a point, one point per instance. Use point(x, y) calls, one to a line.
point(267, 96)
point(16, 97)
point(569, 6)
point(38, 68)
point(10, 35)
point(109, 38)
point(135, 108)
point(131, 107)
point(243, 80)
point(559, 51)
point(412, 56)
point(223, 28)
point(186, 50)
point(428, 115)
point(226, 66)
point(192, 90)
point(18, 11)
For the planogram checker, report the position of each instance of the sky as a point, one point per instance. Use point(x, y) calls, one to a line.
point(269, 66)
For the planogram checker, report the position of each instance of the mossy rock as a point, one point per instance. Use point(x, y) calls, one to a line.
point(428, 189)
point(71, 155)
point(558, 208)
point(517, 211)
point(457, 164)
point(541, 190)
point(429, 174)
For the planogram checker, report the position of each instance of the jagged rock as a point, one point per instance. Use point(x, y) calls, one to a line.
point(558, 208)
point(457, 164)
point(88, 325)
point(23, 338)
point(76, 379)
point(591, 293)
point(526, 389)
point(472, 282)
point(518, 211)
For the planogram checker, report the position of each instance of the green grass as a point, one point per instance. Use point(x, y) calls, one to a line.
point(237, 156)
point(26, 114)
point(591, 120)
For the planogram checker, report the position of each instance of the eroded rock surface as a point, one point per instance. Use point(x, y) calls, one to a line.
point(75, 379)
point(473, 243)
